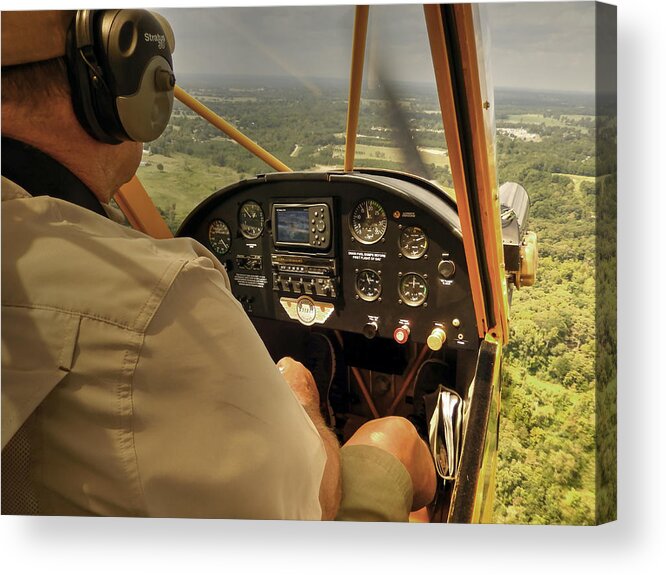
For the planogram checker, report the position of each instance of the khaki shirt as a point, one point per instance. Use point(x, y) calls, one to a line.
point(152, 393)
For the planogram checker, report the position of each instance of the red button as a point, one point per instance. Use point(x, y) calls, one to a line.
point(401, 334)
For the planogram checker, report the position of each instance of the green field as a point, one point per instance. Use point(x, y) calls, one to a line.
point(548, 121)
point(578, 180)
point(436, 156)
point(576, 117)
point(365, 151)
point(184, 180)
point(534, 119)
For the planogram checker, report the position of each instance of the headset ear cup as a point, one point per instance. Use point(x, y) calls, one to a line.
point(139, 46)
point(145, 114)
point(121, 73)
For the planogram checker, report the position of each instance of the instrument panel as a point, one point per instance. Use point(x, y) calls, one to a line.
point(372, 252)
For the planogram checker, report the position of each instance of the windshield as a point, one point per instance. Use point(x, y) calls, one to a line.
point(281, 76)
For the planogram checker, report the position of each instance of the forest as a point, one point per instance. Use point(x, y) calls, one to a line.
point(559, 367)
point(557, 438)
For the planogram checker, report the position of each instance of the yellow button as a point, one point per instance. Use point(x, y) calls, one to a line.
point(436, 339)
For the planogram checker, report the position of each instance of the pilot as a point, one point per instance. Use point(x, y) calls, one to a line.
point(133, 383)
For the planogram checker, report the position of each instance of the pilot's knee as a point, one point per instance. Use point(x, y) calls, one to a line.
point(397, 429)
point(395, 435)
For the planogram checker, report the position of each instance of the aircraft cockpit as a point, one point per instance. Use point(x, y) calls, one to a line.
point(399, 269)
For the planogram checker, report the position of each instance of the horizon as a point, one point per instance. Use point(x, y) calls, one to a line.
point(341, 80)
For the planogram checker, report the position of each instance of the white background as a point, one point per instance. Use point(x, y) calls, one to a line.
point(633, 544)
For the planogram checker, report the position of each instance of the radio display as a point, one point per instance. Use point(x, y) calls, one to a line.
point(292, 225)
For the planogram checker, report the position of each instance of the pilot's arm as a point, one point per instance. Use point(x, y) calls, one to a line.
point(302, 383)
point(217, 430)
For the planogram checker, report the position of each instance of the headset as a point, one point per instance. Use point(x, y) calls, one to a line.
point(121, 73)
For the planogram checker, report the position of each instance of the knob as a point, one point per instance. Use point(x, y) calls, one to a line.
point(401, 334)
point(446, 269)
point(436, 339)
point(370, 329)
point(164, 80)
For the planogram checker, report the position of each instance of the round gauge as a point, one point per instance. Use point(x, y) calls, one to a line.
point(219, 237)
point(413, 289)
point(368, 222)
point(413, 242)
point(368, 285)
point(251, 220)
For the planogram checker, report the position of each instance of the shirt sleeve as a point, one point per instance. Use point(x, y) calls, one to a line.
point(217, 430)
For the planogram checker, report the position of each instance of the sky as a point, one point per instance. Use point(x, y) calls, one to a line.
point(546, 45)
point(535, 45)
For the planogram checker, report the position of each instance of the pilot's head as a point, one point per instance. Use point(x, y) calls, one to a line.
point(116, 64)
point(109, 72)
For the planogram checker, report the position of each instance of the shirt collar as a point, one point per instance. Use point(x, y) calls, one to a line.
point(41, 175)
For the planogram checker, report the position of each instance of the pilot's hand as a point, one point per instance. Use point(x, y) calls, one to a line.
point(301, 382)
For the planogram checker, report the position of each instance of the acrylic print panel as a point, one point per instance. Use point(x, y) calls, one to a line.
point(468, 242)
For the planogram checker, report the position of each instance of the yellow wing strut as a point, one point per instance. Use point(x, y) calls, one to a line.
point(355, 83)
point(220, 123)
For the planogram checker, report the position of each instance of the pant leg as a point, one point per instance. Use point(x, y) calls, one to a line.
point(376, 486)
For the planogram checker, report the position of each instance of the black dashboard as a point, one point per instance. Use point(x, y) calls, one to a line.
point(372, 252)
